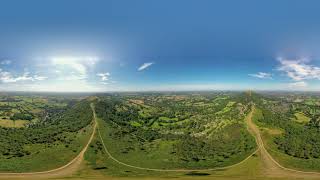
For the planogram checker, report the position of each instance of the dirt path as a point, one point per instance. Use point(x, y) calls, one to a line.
point(167, 170)
point(271, 166)
point(65, 170)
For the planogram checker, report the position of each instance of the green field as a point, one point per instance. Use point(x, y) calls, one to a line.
point(56, 133)
point(301, 118)
point(290, 131)
point(165, 132)
point(191, 135)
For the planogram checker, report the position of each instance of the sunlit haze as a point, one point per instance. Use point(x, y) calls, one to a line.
point(77, 46)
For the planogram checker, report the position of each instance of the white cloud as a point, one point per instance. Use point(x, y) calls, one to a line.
point(69, 62)
point(298, 70)
point(262, 75)
point(299, 84)
point(145, 66)
point(104, 76)
point(75, 67)
point(7, 77)
point(39, 78)
point(63, 74)
point(5, 62)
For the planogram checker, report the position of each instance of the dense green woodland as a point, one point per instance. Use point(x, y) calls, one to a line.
point(159, 130)
point(300, 140)
point(196, 131)
point(52, 130)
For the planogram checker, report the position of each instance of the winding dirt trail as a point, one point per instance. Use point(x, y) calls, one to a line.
point(65, 170)
point(271, 167)
point(170, 170)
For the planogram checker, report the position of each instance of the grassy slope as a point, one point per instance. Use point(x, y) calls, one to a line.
point(301, 118)
point(279, 156)
point(289, 161)
point(11, 123)
point(160, 156)
point(49, 157)
point(98, 165)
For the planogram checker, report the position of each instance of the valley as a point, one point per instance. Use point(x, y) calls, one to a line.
point(212, 134)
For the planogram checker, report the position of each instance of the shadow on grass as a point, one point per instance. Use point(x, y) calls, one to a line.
point(194, 173)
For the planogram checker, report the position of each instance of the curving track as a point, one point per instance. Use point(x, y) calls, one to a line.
point(171, 170)
point(65, 170)
point(271, 166)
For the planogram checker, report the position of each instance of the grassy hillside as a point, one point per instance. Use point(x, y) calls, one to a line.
point(298, 141)
point(175, 132)
point(49, 143)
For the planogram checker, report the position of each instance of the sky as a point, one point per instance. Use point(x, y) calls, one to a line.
point(167, 45)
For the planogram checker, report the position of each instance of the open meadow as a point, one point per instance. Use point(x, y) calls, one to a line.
point(220, 135)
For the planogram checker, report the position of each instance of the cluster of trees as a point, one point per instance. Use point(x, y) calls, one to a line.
point(114, 110)
point(232, 140)
point(21, 116)
point(73, 119)
point(298, 140)
point(315, 122)
point(117, 114)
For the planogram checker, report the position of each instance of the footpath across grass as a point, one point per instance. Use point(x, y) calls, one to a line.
point(48, 156)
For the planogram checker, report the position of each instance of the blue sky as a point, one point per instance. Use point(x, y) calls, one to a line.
point(118, 45)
